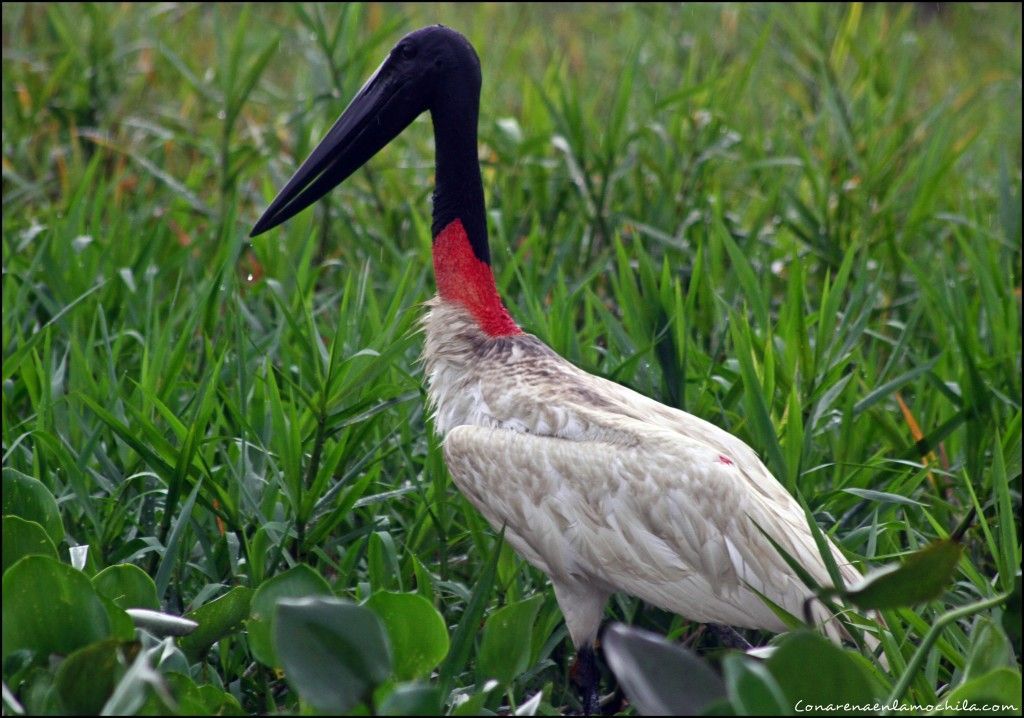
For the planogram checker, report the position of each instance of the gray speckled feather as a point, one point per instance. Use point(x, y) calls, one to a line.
point(607, 490)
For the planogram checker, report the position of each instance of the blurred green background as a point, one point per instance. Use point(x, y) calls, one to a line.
point(800, 222)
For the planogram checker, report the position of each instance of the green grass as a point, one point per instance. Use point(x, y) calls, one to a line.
point(784, 219)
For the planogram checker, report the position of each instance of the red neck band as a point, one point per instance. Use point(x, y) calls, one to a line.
point(465, 280)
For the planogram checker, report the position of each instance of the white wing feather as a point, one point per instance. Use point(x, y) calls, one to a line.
point(607, 490)
point(664, 520)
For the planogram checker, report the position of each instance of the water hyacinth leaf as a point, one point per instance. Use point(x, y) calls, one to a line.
point(40, 698)
point(29, 498)
point(411, 699)
point(72, 615)
point(297, 582)
point(752, 689)
point(121, 625)
point(187, 696)
point(127, 585)
point(218, 618)
point(382, 560)
point(87, 677)
point(1000, 689)
point(220, 702)
point(837, 677)
point(990, 650)
point(167, 657)
point(424, 581)
point(505, 646)
point(659, 677)
point(333, 652)
point(140, 686)
point(922, 577)
point(22, 537)
point(419, 638)
point(759, 150)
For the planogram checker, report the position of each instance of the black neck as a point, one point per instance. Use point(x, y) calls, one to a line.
point(459, 190)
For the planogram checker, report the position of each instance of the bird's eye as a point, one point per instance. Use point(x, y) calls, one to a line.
point(407, 51)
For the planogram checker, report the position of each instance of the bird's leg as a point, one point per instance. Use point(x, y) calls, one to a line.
point(728, 636)
point(585, 676)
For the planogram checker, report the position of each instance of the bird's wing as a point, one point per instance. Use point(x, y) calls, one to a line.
point(663, 519)
point(645, 409)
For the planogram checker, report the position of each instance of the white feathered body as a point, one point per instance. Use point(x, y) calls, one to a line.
point(606, 490)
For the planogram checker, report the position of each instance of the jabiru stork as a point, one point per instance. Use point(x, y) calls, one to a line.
point(601, 488)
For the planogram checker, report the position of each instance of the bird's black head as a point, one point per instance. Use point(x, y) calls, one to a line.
point(433, 68)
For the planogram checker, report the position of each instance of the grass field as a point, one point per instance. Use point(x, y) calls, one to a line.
point(802, 223)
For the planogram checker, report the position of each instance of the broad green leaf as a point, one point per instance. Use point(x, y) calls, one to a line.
point(218, 618)
point(298, 582)
point(219, 702)
point(87, 677)
point(333, 652)
point(424, 583)
point(28, 498)
point(659, 677)
point(923, 576)
point(142, 689)
point(411, 699)
point(999, 689)
point(752, 689)
point(127, 585)
point(121, 625)
point(382, 562)
point(22, 537)
point(187, 695)
point(990, 650)
point(71, 615)
point(167, 657)
point(419, 637)
point(505, 647)
point(812, 671)
point(39, 696)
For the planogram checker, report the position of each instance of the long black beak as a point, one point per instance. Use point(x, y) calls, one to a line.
point(386, 105)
